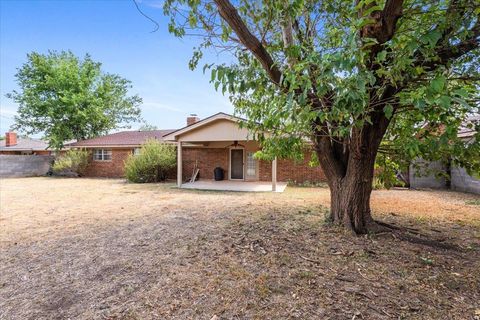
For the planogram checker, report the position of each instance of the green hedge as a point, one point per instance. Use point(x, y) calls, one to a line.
point(72, 162)
point(152, 164)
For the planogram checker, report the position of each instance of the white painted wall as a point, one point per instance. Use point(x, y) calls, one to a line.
point(219, 130)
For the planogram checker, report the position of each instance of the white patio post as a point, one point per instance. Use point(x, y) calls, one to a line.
point(179, 164)
point(274, 174)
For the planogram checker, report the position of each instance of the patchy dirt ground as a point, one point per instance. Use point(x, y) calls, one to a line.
point(104, 249)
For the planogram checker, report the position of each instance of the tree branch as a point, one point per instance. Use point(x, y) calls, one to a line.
point(390, 15)
point(230, 15)
point(449, 53)
point(288, 37)
point(385, 23)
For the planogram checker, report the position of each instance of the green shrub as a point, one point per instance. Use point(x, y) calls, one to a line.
point(72, 163)
point(475, 202)
point(307, 184)
point(386, 173)
point(378, 184)
point(152, 164)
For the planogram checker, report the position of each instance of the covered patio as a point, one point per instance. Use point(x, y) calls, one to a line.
point(229, 185)
point(219, 143)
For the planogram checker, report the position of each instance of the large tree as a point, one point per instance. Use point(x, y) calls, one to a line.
point(66, 98)
point(147, 127)
point(355, 77)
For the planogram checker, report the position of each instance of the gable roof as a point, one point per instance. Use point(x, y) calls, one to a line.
point(123, 138)
point(218, 116)
point(25, 144)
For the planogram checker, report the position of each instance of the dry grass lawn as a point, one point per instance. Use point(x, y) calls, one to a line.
point(105, 249)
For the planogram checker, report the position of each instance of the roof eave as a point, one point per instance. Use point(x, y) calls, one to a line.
point(172, 136)
point(111, 145)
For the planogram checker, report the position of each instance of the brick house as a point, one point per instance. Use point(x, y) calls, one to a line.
point(109, 152)
point(216, 141)
point(14, 145)
point(24, 157)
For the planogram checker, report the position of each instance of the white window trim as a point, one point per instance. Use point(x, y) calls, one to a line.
point(103, 153)
point(254, 177)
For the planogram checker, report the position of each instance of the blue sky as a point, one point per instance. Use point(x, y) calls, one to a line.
point(114, 33)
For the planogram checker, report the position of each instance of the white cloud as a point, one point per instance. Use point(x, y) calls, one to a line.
point(152, 3)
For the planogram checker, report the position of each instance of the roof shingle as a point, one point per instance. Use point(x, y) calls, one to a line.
point(123, 138)
point(25, 144)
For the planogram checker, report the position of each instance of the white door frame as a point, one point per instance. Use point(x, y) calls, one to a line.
point(230, 163)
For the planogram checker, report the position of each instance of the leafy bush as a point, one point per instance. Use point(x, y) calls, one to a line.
point(307, 184)
point(152, 164)
point(475, 202)
point(72, 163)
point(378, 184)
point(386, 171)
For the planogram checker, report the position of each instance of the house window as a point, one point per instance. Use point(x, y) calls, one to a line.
point(136, 151)
point(102, 155)
point(251, 165)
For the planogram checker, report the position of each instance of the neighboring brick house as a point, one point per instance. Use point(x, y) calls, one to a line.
point(216, 141)
point(14, 145)
point(24, 157)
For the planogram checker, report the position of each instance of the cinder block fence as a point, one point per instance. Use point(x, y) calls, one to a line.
point(24, 165)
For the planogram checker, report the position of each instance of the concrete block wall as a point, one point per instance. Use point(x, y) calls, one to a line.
point(24, 165)
point(462, 181)
point(425, 175)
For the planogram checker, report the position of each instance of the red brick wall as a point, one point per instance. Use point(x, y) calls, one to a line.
point(108, 169)
point(208, 159)
point(40, 152)
point(290, 170)
point(10, 139)
point(287, 170)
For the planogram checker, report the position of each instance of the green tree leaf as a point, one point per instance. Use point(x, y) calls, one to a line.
point(388, 110)
point(67, 98)
point(438, 84)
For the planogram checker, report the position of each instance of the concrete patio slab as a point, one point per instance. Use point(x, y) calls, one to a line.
point(228, 185)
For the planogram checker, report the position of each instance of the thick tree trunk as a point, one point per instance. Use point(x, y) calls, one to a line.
point(349, 170)
point(350, 198)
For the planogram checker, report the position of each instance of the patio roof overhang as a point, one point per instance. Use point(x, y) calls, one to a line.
point(219, 127)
